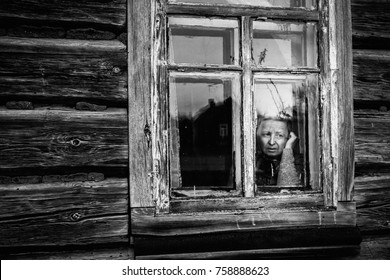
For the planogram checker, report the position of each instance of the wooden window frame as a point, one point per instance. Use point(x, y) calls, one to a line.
point(150, 203)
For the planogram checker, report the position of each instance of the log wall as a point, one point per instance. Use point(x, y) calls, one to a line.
point(64, 138)
point(64, 131)
point(371, 72)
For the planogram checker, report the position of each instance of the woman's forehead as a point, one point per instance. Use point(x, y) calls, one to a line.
point(273, 125)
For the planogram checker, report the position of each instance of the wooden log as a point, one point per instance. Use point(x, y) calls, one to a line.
point(371, 25)
point(89, 34)
point(111, 12)
point(143, 222)
point(54, 138)
point(28, 31)
point(64, 213)
point(371, 76)
point(118, 252)
point(59, 70)
point(210, 9)
point(372, 134)
point(372, 196)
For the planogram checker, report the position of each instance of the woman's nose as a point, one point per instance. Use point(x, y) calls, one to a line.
point(272, 139)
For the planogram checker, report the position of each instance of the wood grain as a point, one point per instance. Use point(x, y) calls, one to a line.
point(140, 157)
point(226, 10)
point(118, 252)
point(53, 138)
point(345, 126)
point(143, 222)
point(372, 130)
point(55, 71)
point(372, 195)
point(110, 12)
point(371, 76)
point(371, 25)
point(64, 213)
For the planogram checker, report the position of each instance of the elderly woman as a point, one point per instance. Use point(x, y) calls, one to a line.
point(275, 159)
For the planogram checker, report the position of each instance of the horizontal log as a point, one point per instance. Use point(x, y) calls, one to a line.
point(372, 196)
point(370, 24)
point(109, 12)
point(118, 252)
point(143, 222)
point(210, 9)
point(28, 31)
point(64, 213)
point(89, 34)
point(57, 138)
point(372, 138)
point(56, 71)
point(371, 75)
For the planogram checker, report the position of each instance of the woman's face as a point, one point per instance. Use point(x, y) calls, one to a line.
point(273, 135)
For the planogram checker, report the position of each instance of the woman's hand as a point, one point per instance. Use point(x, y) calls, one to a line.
point(291, 141)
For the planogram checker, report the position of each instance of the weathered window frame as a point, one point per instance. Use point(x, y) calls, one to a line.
point(148, 121)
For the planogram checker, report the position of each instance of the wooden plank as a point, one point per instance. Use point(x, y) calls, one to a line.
point(159, 108)
point(64, 213)
point(58, 229)
point(275, 240)
point(370, 24)
point(325, 81)
point(371, 76)
point(372, 196)
point(79, 253)
point(143, 222)
point(231, 10)
point(248, 113)
point(372, 140)
point(296, 201)
point(140, 157)
point(54, 138)
point(55, 71)
point(111, 12)
point(23, 200)
point(344, 81)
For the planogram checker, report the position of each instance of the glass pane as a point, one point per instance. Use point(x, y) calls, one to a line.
point(310, 4)
point(284, 44)
point(204, 138)
point(281, 129)
point(203, 41)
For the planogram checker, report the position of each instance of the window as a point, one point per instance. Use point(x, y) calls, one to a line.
point(228, 77)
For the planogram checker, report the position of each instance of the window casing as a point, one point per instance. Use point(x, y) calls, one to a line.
point(244, 72)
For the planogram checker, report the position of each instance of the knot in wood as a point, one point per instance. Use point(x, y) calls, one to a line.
point(116, 70)
point(75, 216)
point(75, 142)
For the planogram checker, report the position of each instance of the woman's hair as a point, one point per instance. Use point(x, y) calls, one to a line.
point(288, 121)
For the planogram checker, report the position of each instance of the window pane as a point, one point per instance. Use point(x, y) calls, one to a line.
point(310, 4)
point(203, 41)
point(281, 104)
point(204, 130)
point(284, 44)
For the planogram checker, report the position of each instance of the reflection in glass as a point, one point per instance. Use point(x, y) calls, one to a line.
point(203, 41)
point(310, 4)
point(280, 105)
point(202, 141)
point(284, 44)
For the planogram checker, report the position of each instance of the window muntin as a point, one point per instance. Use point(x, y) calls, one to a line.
point(284, 44)
point(204, 130)
point(310, 4)
point(211, 41)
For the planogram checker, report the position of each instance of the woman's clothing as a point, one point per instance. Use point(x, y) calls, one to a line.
point(277, 171)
